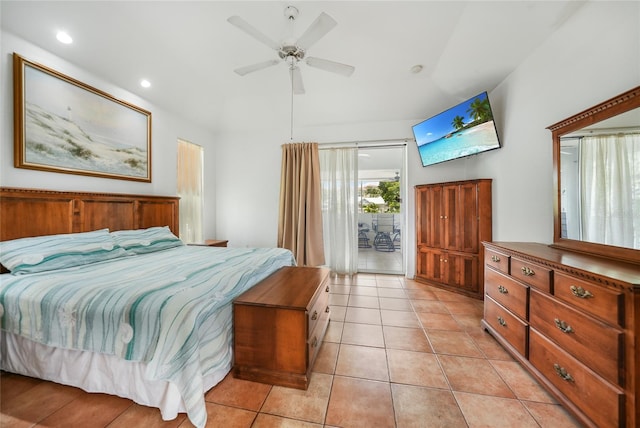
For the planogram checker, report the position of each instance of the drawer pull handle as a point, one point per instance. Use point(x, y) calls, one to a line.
point(562, 372)
point(314, 343)
point(502, 289)
point(502, 322)
point(580, 292)
point(327, 310)
point(314, 316)
point(327, 289)
point(527, 271)
point(495, 259)
point(563, 326)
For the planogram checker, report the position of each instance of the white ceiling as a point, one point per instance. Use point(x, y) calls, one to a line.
point(189, 51)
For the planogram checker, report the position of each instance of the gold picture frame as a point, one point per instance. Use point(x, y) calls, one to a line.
point(63, 125)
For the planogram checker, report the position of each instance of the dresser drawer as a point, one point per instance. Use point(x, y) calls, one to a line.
point(596, 344)
point(598, 301)
point(319, 307)
point(496, 260)
point(315, 337)
point(506, 324)
point(602, 402)
point(532, 274)
point(506, 291)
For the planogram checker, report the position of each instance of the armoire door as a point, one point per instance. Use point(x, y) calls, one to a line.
point(430, 264)
point(468, 218)
point(435, 217)
point(451, 216)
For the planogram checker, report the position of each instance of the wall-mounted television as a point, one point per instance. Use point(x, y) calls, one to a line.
point(463, 130)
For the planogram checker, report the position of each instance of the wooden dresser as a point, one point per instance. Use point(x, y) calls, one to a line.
point(572, 320)
point(452, 219)
point(279, 325)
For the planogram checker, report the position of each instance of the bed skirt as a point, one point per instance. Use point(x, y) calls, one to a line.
point(95, 372)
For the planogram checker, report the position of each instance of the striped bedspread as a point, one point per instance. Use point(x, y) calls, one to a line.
point(170, 309)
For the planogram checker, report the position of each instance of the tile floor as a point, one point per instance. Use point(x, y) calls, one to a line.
point(397, 354)
point(388, 262)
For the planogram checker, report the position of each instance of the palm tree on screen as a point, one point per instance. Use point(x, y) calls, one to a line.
point(480, 110)
point(458, 122)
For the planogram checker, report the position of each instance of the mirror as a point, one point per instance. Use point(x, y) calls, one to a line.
point(596, 166)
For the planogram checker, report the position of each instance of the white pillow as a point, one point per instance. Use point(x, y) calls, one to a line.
point(51, 252)
point(143, 241)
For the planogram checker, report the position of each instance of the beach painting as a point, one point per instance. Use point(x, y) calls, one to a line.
point(460, 131)
point(69, 127)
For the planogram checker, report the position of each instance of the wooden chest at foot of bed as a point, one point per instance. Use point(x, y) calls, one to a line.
point(279, 325)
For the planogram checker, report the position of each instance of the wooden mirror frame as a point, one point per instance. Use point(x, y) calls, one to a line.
point(622, 103)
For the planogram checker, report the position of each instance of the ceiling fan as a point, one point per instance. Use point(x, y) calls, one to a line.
point(292, 52)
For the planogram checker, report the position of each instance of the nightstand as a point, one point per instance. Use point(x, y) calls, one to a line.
point(215, 242)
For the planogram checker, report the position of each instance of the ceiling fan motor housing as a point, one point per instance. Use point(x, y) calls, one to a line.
point(291, 53)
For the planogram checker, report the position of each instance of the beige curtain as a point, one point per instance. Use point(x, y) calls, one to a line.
point(190, 159)
point(300, 217)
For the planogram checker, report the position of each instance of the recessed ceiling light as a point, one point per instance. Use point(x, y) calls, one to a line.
point(145, 83)
point(63, 37)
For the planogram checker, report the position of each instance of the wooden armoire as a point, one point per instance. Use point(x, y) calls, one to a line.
point(452, 219)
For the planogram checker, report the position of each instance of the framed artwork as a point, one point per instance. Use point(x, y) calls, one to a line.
point(63, 125)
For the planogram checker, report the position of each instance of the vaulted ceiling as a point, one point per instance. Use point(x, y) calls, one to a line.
point(188, 51)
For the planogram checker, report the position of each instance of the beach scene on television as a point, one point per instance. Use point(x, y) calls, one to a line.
point(460, 131)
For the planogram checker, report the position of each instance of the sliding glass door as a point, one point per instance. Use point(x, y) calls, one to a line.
point(380, 210)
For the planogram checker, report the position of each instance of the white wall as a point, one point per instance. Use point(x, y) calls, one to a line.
point(593, 57)
point(166, 129)
point(248, 175)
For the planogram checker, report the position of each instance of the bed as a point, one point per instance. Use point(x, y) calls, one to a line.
point(102, 295)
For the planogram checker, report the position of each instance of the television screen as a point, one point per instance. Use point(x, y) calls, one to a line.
point(463, 130)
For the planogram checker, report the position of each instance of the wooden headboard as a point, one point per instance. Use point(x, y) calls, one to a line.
point(33, 212)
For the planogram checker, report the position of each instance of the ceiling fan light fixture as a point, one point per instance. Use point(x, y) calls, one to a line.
point(291, 61)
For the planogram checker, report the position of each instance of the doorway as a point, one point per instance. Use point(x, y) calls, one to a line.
point(381, 217)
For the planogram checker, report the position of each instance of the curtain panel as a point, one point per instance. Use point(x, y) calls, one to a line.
point(189, 186)
point(339, 172)
point(300, 212)
point(609, 175)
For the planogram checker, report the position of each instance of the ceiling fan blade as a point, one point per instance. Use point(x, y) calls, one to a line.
point(332, 66)
point(253, 32)
point(296, 80)
point(255, 67)
point(321, 26)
